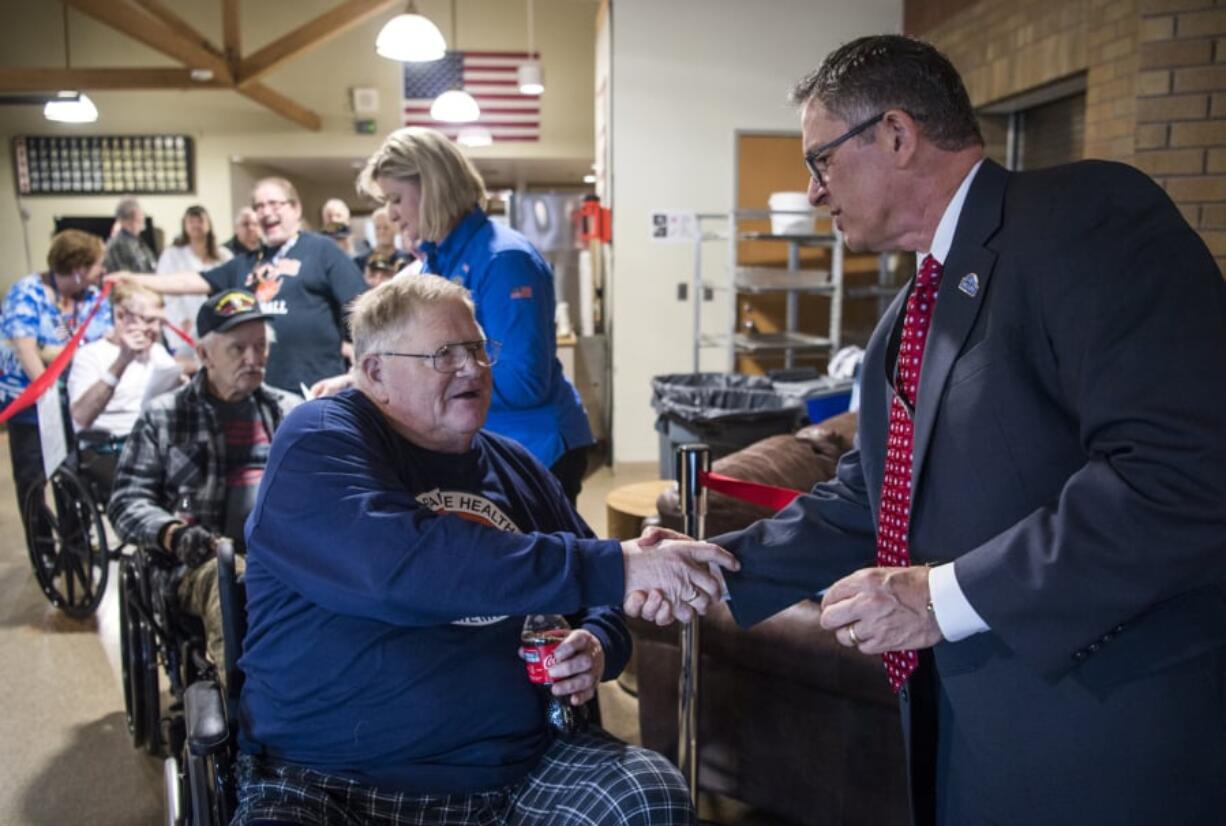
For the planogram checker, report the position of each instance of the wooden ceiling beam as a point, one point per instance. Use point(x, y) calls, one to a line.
point(90, 80)
point(178, 25)
point(231, 34)
point(155, 34)
point(280, 104)
point(313, 33)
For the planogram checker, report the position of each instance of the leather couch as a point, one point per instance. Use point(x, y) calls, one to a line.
point(800, 728)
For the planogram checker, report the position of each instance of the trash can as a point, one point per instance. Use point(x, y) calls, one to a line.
point(725, 411)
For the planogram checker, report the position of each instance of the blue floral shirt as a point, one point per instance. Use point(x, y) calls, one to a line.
point(31, 311)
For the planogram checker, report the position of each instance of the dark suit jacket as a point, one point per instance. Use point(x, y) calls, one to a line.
point(1070, 457)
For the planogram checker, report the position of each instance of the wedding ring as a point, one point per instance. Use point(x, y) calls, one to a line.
point(851, 634)
point(693, 595)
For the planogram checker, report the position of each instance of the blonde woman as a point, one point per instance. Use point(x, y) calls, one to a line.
point(437, 198)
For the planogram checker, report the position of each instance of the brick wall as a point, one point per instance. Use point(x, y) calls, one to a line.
point(1181, 110)
point(1155, 82)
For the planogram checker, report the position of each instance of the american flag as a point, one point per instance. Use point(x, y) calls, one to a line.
point(490, 77)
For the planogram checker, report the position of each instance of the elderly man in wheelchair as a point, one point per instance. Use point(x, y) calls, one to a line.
point(191, 465)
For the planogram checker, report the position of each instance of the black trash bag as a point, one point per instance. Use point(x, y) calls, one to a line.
point(725, 411)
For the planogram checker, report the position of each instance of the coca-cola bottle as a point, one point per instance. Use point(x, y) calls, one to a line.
point(541, 636)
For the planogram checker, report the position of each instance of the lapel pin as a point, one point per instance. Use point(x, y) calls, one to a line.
point(969, 284)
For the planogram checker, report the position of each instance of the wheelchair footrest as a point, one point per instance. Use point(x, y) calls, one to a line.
point(205, 711)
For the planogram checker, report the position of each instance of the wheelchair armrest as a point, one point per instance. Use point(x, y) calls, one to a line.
point(204, 710)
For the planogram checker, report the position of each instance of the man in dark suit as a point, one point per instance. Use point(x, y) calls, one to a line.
point(1034, 522)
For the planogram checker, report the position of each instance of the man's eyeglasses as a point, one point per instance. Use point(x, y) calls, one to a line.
point(452, 358)
point(263, 205)
point(818, 161)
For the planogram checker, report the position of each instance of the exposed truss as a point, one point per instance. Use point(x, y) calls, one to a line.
point(152, 23)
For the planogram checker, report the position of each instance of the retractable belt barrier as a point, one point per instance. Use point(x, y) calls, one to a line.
point(692, 467)
point(53, 371)
point(49, 376)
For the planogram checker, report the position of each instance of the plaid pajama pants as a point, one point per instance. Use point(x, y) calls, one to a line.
point(586, 779)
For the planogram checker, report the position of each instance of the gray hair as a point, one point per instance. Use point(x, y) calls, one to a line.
point(380, 314)
point(127, 208)
point(873, 74)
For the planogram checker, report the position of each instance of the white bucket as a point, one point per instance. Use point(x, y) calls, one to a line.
point(794, 224)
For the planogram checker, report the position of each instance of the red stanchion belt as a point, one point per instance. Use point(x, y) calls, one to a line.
point(768, 496)
point(191, 342)
point(49, 376)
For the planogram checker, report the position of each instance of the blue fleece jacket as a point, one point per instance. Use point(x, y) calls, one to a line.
point(512, 286)
point(386, 590)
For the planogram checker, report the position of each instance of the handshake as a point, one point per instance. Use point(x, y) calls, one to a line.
point(672, 577)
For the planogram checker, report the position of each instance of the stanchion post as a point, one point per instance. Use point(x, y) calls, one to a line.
point(689, 462)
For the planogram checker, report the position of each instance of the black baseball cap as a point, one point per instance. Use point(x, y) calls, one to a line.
point(227, 309)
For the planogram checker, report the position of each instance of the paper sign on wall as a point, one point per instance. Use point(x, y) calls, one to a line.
point(671, 226)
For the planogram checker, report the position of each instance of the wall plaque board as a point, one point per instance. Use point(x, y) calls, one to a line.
point(104, 164)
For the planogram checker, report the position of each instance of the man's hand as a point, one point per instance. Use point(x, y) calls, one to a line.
point(670, 579)
point(132, 343)
point(578, 666)
point(331, 385)
point(881, 609)
point(195, 545)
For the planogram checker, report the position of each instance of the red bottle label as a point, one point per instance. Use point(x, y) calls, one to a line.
point(537, 652)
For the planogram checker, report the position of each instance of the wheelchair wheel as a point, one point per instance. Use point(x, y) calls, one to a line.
point(138, 656)
point(67, 544)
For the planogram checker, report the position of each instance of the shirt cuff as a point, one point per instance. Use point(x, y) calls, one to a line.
point(955, 615)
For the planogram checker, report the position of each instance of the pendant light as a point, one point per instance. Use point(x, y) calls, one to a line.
point(69, 106)
point(410, 38)
point(456, 105)
point(531, 77)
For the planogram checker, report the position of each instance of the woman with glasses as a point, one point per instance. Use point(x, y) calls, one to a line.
point(301, 278)
point(436, 196)
point(110, 379)
point(195, 250)
point(107, 382)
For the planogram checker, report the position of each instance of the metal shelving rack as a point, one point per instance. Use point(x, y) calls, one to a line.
point(792, 282)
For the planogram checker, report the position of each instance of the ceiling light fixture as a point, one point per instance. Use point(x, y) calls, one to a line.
point(70, 106)
point(530, 75)
point(456, 105)
point(410, 38)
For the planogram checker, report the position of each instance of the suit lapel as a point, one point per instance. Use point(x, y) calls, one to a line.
point(964, 287)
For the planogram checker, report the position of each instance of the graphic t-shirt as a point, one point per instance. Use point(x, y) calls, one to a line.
point(307, 283)
point(386, 591)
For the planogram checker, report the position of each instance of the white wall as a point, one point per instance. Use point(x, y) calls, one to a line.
point(686, 75)
point(225, 124)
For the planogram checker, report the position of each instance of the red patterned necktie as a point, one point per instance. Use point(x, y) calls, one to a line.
point(894, 517)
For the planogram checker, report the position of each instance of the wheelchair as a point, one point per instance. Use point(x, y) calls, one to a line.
point(195, 734)
point(65, 533)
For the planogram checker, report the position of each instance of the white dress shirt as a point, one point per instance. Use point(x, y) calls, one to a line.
point(954, 613)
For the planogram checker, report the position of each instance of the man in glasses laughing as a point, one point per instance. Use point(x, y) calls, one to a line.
point(394, 552)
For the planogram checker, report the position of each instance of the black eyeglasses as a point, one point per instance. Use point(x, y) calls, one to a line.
point(452, 358)
point(818, 160)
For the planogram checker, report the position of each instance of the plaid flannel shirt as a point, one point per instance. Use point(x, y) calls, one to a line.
point(175, 449)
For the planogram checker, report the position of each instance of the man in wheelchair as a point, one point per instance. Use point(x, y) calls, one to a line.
point(393, 554)
point(191, 465)
point(109, 379)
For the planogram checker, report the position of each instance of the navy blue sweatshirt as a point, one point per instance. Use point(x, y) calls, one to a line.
point(386, 591)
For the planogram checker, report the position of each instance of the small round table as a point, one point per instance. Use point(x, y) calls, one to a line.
point(627, 506)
